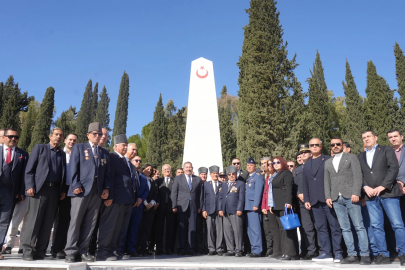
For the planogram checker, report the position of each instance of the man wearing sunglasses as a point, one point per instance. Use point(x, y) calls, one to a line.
point(89, 173)
point(314, 198)
point(241, 175)
point(13, 161)
point(343, 183)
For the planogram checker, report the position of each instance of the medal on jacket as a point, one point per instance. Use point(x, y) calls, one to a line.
point(86, 155)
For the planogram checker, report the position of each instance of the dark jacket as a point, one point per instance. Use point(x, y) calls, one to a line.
point(298, 179)
point(20, 160)
point(383, 172)
point(164, 194)
point(123, 186)
point(181, 193)
point(211, 200)
point(37, 168)
point(232, 199)
point(313, 184)
point(243, 176)
point(282, 189)
point(152, 195)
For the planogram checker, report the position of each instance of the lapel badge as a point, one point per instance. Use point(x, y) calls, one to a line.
point(250, 185)
point(86, 155)
point(220, 189)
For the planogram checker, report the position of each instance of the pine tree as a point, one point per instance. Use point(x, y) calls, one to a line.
point(265, 79)
point(8, 89)
point(67, 121)
point(144, 141)
point(94, 102)
point(228, 136)
point(157, 136)
point(29, 123)
point(400, 74)
point(84, 116)
point(319, 105)
point(121, 113)
point(10, 117)
point(353, 119)
point(170, 109)
point(44, 119)
point(102, 115)
point(176, 131)
point(378, 107)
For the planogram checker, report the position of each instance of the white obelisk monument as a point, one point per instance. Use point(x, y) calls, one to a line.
point(202, 145)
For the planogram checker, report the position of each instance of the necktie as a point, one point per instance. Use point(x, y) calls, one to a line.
point(229, 186)
point(167, 181)
point(189, 182)
point(216, 187)
point(8, 158)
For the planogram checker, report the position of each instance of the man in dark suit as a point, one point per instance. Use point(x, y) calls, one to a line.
point(314, 198)
point(242, 175)
point(137, 210)
point(379, 166)
point(115, 213)
point(165, 215)
point(201, 240)
point(253, 199)
point(186, 192)
point(13, 161)
point(89, 175)
point(45, 183)
point(231, 205)
point(211, 206)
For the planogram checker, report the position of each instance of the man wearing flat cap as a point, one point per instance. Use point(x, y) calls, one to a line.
point(89, 174)
point(201, 240)
point(253, 198)
point(116, 211)
point(210, 210)
point(232, 202)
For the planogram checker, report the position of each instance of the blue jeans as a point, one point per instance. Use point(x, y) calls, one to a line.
point(392, 209)
point(345, 208)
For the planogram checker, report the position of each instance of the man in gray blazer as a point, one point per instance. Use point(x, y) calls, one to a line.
point(343, 183)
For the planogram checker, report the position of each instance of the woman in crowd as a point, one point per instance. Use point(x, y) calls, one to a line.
point(266, 210)
point(149, 211)
point(280, 196)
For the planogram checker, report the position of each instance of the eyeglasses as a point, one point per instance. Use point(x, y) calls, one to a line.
point(337, 144)
point(268, 164)
point(95, 134)
point(236, 163)
point(276, 162)
point(314, 145)
point(138, 160)
point(291, 166)
point(12, 136)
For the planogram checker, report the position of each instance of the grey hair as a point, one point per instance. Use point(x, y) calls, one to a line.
point(56, 128)
point(265, 158)
point(317, 139)
point(167, 165)
point(188, 162)
point(131, 144)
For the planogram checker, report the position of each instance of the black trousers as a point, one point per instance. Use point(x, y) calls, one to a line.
point(187, 228)
point(268, 236)
point(283, 241)
point(246, 242)
point(308, 233)
point(61, 225)
point(201, 234)
point(165, 229)
point(94, 236)
point(6, 211)
point(144, 230)
point(41, 214)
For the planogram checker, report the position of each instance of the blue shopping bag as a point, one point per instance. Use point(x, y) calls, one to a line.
point(290, 220)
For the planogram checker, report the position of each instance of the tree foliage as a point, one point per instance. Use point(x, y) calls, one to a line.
point(102, 115)
point(84, 115)
point(94, 102)
point(400, 75)
point(28, 125)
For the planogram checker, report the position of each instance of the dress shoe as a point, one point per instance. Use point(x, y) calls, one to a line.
point(254, 255)
point(28, 257)
point(61, 255)
point(50, 257)
point(111, 258)
point(73, 258)
point(7, 250)
point(212, 253)
point(274, 256)
point(220, 253)
point(87, 258)
point(323, 258)
point(308, 257)
point(284, 257)
point(20, 251)
point(238, 254)
point(269, 252)
point(401, 259)
point(338, 258)
point(350, 260)
point(381, 259)
point(229, 254)
point(365, 260)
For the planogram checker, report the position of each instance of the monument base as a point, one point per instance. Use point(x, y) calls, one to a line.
point(204, 262)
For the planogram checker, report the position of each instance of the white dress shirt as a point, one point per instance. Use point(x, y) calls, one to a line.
point(5, 153)
point(370, 155)
point(336, 161)
point(145, 202)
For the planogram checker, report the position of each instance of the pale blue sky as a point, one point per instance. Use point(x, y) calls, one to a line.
point(65, 43)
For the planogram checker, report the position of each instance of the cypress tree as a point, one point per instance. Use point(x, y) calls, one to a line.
point(228, 136)
point(121, 113)
point(157, 136)
point(264, 83)
point(94, 102)
point(400, 75)
point(319, 105)
point(353, 119)
point(84, 116)
point(10, 117)
point(67, 121)
point(144, 141)
point(44, 120)
point(102, 114)
point(29, 123)
point(378, 107)
point(176, 131)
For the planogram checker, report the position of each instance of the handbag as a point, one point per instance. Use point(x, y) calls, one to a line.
point(290, 220)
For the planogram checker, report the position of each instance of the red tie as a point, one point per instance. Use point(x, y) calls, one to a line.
point(8, 158)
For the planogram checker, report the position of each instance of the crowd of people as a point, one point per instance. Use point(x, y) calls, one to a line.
point(106, 206)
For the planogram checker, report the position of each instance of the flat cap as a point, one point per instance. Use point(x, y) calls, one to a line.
point(122, 138)
point(251, 161)
point(303, 147)
point(214, 169)
point(222, 174)
point(95, 126)
point(231, 169)
point(202, 170)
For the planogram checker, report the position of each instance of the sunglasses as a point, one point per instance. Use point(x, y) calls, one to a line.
point(314, 145)
point(222, 176)
point(95, 134)
point(12, 136)
point(236, 163)
point(276, 162)
point(138, 160)
point(291, 166)
point(337, 144)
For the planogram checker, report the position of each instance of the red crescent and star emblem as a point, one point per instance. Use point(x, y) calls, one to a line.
point(202, 76)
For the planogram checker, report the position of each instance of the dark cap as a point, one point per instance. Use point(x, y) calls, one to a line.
point(122, 138)
point(303, 147)
point(202, 170)
point(214, 169)
point(251, 161)
point(222, 174)
point(231, 169)
point(95, 126)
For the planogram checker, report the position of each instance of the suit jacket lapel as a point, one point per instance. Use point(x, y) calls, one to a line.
point(402, 156)
point(123, 160)
point(377, 151)
point(320, 164)
point(16, 157)
point(342, 161)
point(90, 151)
point(170, 183)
